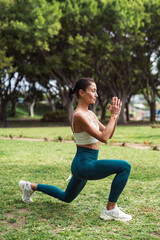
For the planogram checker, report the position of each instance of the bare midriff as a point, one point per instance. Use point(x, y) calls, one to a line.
point(92, 146)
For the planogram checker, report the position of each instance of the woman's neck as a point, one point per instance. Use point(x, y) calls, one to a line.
point(82, 106)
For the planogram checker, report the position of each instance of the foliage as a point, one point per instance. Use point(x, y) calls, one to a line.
point(25, 32)
point(57, 116)
point(116, 42)
point(155, 125)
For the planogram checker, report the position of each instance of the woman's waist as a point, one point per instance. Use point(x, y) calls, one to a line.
point(87, 154)
point(94, 146)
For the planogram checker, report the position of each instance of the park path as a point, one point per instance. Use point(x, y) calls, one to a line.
point(132, 145)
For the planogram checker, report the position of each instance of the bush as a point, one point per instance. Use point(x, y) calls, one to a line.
point(57, 116)
point(155, 125)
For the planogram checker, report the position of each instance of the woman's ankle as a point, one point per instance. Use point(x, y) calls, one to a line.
point(111, 205)
point(34, 186)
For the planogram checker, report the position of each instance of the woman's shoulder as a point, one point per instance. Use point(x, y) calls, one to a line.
point(76, 113)
point(92, 113)
point(78, 118)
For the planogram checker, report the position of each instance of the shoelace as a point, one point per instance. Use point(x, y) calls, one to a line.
point(34, 193)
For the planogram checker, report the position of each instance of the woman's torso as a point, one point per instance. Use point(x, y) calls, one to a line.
point(77, 129)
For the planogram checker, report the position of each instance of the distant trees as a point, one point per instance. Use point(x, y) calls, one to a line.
point(115, 42)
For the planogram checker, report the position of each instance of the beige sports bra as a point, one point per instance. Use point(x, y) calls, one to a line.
point(83, 138)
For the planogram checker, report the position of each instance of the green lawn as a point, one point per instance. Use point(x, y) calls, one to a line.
point(49, 218)
point(131, 134)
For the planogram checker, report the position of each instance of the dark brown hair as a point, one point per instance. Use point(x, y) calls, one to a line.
point(82, 83)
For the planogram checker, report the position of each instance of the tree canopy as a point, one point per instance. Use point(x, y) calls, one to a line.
point(117, 42)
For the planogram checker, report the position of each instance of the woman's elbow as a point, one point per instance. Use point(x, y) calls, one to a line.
point(104, 139)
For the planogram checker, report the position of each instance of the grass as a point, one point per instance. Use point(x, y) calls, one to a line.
point(44, 132)
point(130, 134)
point(49, 218)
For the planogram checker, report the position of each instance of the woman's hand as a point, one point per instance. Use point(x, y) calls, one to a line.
point(115, 108)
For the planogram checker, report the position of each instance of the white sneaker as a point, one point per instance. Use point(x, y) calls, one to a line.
point(26, 190)
point(115, 214)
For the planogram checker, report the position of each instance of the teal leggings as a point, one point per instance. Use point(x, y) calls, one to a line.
point(85, 166)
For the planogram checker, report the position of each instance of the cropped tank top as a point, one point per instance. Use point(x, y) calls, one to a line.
point(83, 138)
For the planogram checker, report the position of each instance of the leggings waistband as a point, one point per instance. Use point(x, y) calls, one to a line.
point(87, 153)
point(87, 150)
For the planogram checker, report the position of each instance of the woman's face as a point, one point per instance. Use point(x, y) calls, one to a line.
point(90, 95)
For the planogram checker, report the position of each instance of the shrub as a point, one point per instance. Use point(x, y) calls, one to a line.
point(57, 116)
point(155, 125)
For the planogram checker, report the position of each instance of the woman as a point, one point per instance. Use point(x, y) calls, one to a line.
point(88, 131)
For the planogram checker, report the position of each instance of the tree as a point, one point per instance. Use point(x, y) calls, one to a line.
point(26, 32)
point(32, 95)
point(112, 37)
point(148, 54)
point(126, 19)
point(68, 59)
point(6, 62)
point(6, 70)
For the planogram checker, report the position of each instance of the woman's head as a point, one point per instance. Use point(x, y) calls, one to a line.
point(83, 84)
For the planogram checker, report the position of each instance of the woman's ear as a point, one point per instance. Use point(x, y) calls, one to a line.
point(81, 92)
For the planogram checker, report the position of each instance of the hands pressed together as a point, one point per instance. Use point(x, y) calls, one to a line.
point(115, 108)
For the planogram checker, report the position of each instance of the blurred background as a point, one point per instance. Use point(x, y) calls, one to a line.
point(47, 45)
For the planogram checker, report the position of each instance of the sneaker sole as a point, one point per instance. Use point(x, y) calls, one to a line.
point(108, 218)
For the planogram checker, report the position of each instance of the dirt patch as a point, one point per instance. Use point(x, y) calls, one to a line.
point(35, 139)
point(24, 210)
point(12, 225)
point(57, 230)
point(156, 234)
point(9, 215)
point(132, 145)
point(13, 221)
point(24, 139)
point(147, 209)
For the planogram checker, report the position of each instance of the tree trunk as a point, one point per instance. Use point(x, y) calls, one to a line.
point(31, 108)
point(122, 116)
point(13, 108)
point(103, 113)
point(3, 115)
point(103, 104)
point(2, 110)
point(127, 111)
point(53, 107)
point(51, 103)
point(69, 107)
point(152, 111)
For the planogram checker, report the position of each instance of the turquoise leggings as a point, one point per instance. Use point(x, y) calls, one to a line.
point(85, 166)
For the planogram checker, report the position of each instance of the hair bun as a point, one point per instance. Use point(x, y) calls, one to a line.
point(71, 91)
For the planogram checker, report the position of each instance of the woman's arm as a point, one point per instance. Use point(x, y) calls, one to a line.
point(114, 129)
point(115, 109)
point(105, 132)
point(102, 127)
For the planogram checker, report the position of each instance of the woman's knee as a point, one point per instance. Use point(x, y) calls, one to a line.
point(67, 200)
point(127, 166)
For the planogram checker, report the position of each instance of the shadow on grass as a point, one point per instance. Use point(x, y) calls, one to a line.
point(48, 209)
